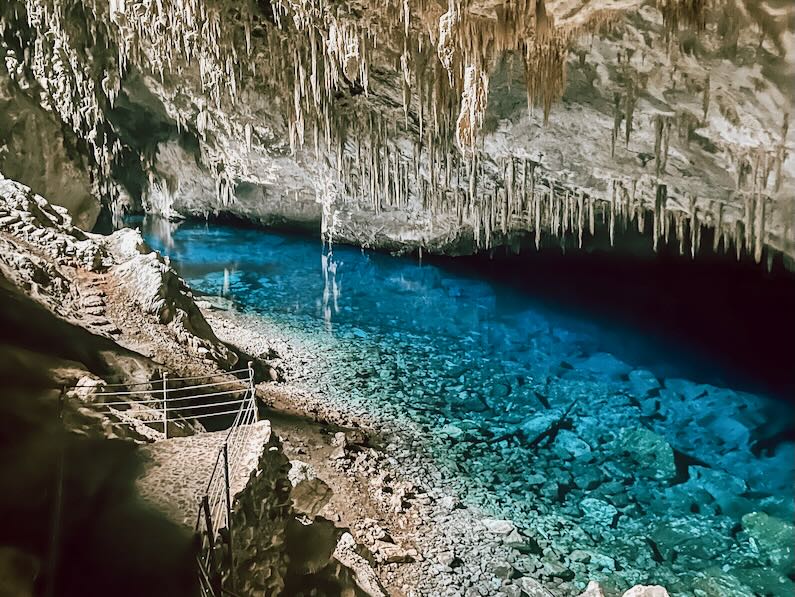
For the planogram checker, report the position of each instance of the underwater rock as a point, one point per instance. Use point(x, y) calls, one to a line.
point(598, 512)
point(540, 422)
point(722, 486)
point(571, 444)
point(642, 382)
point(693, 537)
point(714, 582)
point(605, 365)
point(646, 591)
point(649, 451)
point(774, 537)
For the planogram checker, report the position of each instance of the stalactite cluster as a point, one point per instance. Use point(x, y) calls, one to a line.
point(406, 138)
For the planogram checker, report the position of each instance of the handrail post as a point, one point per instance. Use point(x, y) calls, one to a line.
point(208, 522)
point(229, 518)
point(165, 404)
point(253, 391)
point(55, 531)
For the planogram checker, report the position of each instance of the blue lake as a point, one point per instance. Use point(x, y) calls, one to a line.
point(659, 476)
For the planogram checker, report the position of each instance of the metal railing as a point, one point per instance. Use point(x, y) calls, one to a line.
point(151, 408)
point(156, 406)
point(214, 519)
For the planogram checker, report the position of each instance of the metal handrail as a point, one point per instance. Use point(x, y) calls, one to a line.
point(215, 508)
point(153, 381)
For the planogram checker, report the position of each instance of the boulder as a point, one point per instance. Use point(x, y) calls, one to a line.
point(774, 537)
point(594, 589)
point(571, 444)
point(340, 442)
point(701, 538)
point(604, 365)
point(540, 422)
point(642, 382)
point(646, 591)
point(498, 527)
point(531, 587)
point(88, 388)
point(310, 493)
point(598, 512)
point(714, 582)
point(653, 455)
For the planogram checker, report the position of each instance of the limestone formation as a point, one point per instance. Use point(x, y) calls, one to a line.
point(370, 115)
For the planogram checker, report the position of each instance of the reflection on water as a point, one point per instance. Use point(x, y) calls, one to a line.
point(667, 475)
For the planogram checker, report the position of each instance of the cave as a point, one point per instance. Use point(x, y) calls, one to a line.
point(397, 297)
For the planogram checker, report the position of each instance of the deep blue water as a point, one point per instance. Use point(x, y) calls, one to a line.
point(468, 360)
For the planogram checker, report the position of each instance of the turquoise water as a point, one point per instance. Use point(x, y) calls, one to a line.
point(657, 478)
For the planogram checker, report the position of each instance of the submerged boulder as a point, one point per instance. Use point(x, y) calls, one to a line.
point(646, 591)
point(653, 455)
point(774, 538)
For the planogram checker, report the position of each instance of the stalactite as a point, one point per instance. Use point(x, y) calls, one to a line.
point(659, 214)
point(718, 226)
point(612, 223)
point(629, 109)
point(759, 227)
point(705, 100)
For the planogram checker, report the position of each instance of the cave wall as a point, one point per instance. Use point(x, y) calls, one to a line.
point(35, 151)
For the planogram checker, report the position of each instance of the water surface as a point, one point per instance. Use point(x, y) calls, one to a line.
point(657, 476)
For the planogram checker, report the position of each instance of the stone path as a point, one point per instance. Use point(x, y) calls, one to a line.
point(178, 469)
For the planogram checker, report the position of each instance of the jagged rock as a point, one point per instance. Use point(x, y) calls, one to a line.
point(594, 589)
point(340, 442)
point(310, 493)
point(87, 388)
point(531, 587)
point(364, 575)
point(390, 553)
point(598, 512)
point(642, 382)
point(570, 443)
point(498, 527)
point(774, 538)
point(649, 451)
point(646, 591)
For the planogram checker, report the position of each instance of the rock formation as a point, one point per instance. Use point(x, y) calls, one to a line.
point(414, 124)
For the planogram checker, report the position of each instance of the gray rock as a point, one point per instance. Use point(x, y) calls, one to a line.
point(593, 589)
point(498, 527)
point(598, 512)
point(774, 537)
point(605, 365)
point(642, 382)
point(539, 423)
point(653, 455)
point(646, 591)
point(532, 588)
point(570, 443)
